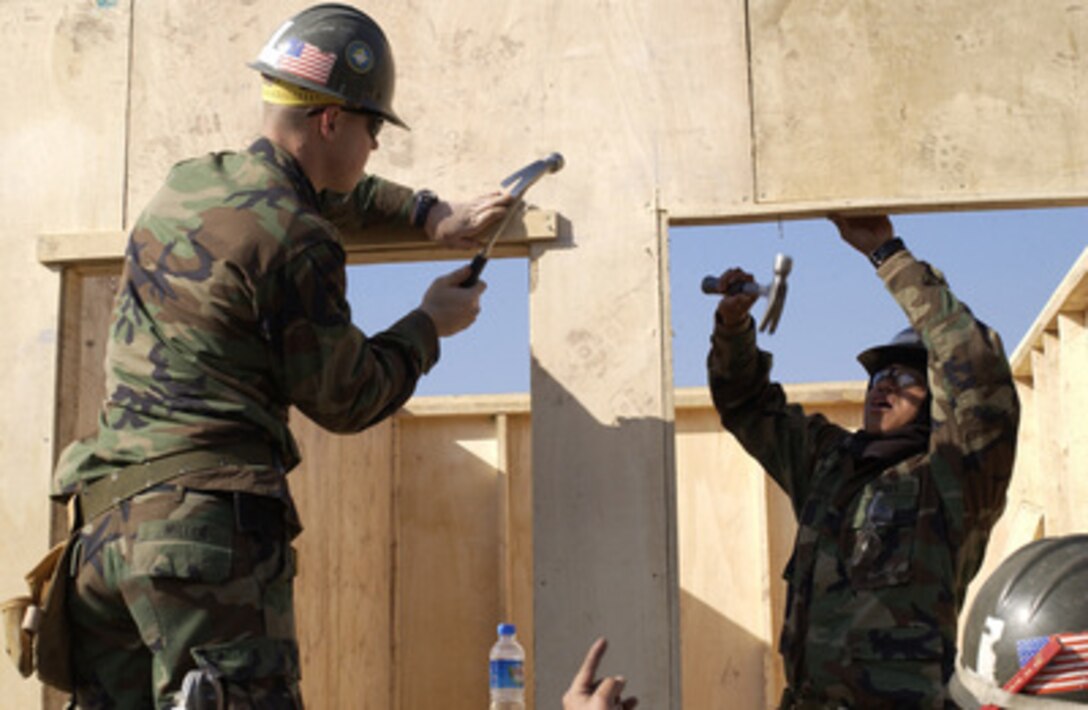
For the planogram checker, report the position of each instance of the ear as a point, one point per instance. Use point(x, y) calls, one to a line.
point(329, 121)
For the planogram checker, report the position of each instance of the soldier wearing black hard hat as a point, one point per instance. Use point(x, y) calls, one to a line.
point(893, 518)
point(232, 310)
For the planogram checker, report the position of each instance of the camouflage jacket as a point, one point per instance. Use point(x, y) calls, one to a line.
point(231, 307)
point(882, 560)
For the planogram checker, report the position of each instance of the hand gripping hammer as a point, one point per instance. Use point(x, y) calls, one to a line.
point(515, 185)
point(774, 291)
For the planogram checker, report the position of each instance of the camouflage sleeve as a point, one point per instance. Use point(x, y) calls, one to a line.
point(779, 435)
point(375, 202)
point(336, 375)
point(975, 408)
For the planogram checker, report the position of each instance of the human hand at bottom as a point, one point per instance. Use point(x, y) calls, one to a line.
point(587, 693)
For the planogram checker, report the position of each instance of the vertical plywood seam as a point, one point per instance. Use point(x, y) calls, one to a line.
point(766, 581)
point(668, 405)
point(395, 457)
point(505, 491)
point(126, 149)
point(752, 146)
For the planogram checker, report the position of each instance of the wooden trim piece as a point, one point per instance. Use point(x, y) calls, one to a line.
point(464, 405)
point(689, 215)
point(393, 245)
point(1070, 296)
point(80, 248)
point(819, 393)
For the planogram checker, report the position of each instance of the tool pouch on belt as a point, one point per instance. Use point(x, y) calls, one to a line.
point(36, 629)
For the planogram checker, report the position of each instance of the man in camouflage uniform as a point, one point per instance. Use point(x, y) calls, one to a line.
point(893, 520)
point(230, 309)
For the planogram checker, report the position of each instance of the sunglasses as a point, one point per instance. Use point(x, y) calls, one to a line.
point(374, 122)
point(897, 377)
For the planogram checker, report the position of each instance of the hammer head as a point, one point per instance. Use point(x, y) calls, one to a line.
point(776, 294)
point(520, 181)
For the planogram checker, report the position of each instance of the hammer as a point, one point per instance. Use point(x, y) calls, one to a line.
point(516, 184)
point(774, 291)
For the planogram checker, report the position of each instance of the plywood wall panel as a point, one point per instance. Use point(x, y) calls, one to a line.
point(345, 585)
point(447, 561)
point(191, 91)
point(602, 464)
point(926, 100)
point(518, 538)
point(724, 575)
point(62, 75)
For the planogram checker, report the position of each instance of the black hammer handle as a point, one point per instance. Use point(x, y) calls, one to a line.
point(475, 268)
point(710, 285)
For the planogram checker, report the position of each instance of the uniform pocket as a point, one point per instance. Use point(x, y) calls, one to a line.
point(901, 662)
point(258, 672)
point(194, 549)
point(882, 534)
point(899, 643)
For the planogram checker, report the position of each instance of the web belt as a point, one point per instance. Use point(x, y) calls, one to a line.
point(101, 494)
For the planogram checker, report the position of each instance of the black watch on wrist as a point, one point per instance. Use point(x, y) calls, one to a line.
point(424, 201)
point(883, 252)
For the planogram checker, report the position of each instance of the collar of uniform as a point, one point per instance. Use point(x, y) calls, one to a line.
point(271, 153)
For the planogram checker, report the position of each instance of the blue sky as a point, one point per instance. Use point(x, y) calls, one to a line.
point(1003, 264)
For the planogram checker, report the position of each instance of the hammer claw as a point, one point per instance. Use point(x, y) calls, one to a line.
point(774, 291)
point(515, 185)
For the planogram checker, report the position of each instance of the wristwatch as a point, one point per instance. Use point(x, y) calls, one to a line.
point(883, 252)
point(424, 201)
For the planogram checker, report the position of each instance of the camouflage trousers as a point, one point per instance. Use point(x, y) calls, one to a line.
point(173, 581)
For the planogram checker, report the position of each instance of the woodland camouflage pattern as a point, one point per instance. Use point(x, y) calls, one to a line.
point(232, 307)
point(172, 580)
point(881, 563)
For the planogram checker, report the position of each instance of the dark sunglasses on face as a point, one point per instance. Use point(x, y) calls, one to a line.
point(374, 122)
point(897, 377)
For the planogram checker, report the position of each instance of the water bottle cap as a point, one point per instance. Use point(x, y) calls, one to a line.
point(507, 629)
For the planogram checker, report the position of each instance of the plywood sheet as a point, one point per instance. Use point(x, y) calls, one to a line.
point(62, 75)
point(925, 100)
point(447, 561)
point(191, 92)
point(602, 459)
point(724, 578)
point(344, 591)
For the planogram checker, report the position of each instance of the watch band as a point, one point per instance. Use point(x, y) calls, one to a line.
point(883, 252)
point(424, 201)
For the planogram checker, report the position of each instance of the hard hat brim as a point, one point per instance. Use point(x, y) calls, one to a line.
point(876, 359)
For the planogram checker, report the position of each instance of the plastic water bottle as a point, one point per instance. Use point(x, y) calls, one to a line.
point(507, 671)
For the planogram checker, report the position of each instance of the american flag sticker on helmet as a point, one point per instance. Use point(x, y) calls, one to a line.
point(304, 60)
point(1065, 672)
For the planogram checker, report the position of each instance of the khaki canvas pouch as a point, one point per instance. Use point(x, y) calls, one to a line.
point(36, 629)
point(17, 640)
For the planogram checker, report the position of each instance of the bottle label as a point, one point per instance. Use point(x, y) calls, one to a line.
point(507, 675)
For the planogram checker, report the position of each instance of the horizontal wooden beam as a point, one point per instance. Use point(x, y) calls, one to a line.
point(698, 215)
point(686, 398)
point(388, 245)
point(809, 394)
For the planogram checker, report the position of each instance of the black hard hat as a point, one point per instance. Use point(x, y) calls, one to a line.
point(906, 348)
point(1036, 593)
point(336, 50)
